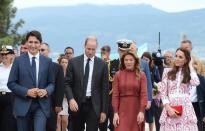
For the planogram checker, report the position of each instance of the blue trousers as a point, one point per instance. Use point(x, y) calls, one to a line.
point(35, 117)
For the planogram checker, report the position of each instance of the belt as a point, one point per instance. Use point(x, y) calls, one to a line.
point(88, 98)
point(3, 93)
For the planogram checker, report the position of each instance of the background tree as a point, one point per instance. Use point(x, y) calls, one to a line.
point(8, 29)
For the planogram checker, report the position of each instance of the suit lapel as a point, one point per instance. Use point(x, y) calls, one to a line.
point(41, 63)
point(28, 65)
point(95, 66)
point(81, 69)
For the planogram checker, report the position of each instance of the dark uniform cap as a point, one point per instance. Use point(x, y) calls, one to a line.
point(7, 49)
point(124, 44)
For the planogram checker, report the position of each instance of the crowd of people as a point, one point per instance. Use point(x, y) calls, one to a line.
point(90, 93)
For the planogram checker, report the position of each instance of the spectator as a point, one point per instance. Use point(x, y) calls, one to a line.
point(129, 97)
point(178, 113)
point(31, 81)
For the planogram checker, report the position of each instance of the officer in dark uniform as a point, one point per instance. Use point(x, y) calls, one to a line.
point(113, 67)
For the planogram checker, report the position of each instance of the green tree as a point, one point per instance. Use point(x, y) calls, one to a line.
point(8, 29)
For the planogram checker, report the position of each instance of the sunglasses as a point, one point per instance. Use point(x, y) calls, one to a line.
point(4, 54)
point(42, 50)
point(68, 53)
point(25, 48)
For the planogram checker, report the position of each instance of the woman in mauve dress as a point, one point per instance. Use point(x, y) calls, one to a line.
point(129, 96)
point(174, 88)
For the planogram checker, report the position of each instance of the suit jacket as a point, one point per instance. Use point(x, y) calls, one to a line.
point(58, 94)
point(200, 89)
point(21, 79)
point(99, 87)
point(145, 68)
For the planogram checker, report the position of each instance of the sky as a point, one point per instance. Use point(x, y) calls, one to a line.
point(165, 5)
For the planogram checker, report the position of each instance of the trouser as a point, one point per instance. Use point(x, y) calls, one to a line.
point(7, 120)
point(51, 122)
point(34, 115)
point(104, 126)
point(157, 113)
point(200, 123)
point(85, 115)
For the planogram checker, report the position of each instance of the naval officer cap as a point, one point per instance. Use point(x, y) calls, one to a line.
point(7, 49)
point(124, 44)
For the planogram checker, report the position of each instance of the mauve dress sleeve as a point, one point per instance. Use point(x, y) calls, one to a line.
point(116, 93)
point(143, 92)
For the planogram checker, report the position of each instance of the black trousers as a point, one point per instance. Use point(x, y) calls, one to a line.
point(70, 124)
point(200, 123)
point(157, 113)
point(51, 121)
point(85, 115)
point(7, 120)
point(104, 126)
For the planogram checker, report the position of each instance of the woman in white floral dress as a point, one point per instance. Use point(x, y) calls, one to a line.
point(174, 90)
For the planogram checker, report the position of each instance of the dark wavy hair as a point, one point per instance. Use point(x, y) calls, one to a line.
point(185, 69)
point(149, 56)
point(136, 65)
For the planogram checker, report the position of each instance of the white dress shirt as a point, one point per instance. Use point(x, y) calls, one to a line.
point(91, 65)
point(5, 71)
point(37, 63)
point(193, 94)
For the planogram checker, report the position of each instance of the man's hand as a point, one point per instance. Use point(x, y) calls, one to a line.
point(58, 109)
point(42, 92)
point(102, 117)
point(32, 92)
point(203, 120)
point(148, 105)
point(73, 105)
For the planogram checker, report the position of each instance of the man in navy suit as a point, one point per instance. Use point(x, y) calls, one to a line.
point(31, 80)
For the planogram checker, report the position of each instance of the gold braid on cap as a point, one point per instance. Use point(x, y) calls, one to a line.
point(4, 50)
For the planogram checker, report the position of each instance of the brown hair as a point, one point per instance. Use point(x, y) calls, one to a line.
point(136, 66)
point(91, 38)
point(106, 48)
point(34, 33)
point(185, 69)
point(186, 41)
point(61, 58)
point(148, 55)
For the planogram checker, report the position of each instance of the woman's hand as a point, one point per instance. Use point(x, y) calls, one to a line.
point(116, 120)
point(171, 112)
point(191, 65)
point(140, 117)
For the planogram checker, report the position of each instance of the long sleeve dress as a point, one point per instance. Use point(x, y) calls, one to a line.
point(168, 91)
point(128, 99)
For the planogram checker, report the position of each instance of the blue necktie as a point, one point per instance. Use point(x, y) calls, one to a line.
point(34, 70)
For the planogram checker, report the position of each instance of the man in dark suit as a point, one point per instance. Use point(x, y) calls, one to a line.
point(31, 81)
point(200, 90)
point(200, 69)
point(86, 87)
point(58, 94)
